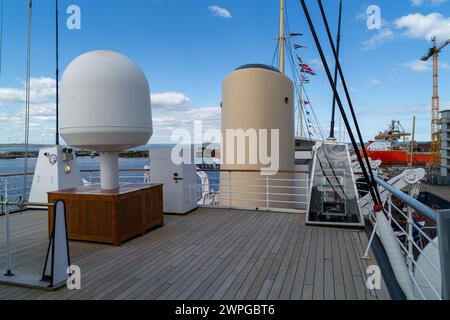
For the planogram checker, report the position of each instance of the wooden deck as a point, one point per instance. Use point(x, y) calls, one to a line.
point(209, 254)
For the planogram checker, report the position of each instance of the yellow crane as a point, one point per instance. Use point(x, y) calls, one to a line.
point(435, 118)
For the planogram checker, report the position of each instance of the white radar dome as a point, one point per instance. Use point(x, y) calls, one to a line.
point(106, 107)
point(105, 103)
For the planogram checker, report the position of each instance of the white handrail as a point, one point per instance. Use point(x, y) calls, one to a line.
point(404, 222)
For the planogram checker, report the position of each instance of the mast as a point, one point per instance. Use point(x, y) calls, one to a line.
point(282, 38)
point(338, 47)
point(57, 73)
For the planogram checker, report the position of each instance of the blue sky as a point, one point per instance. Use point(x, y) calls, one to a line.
point(187, 47)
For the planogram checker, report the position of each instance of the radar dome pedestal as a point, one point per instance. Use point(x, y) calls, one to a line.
point(106, 107)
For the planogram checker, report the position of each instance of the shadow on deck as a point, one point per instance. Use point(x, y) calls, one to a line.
point(209, 254)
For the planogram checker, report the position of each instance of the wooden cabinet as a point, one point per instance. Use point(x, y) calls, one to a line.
point(111, 217)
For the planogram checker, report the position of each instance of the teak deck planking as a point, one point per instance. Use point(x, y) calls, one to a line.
point(208, 254)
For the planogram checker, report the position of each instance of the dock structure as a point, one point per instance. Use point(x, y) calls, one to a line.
point(210, 254)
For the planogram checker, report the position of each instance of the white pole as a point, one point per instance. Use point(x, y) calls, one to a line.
point(8, 235)
point(372, 236)
point(109, 170)
point(282, 37)
point(345, 134)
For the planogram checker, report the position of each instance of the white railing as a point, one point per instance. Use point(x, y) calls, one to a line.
point(269, 193)
point(125, 175)
point(11, 189)
point(415, 228)
point(247, 189)
point(14, 183)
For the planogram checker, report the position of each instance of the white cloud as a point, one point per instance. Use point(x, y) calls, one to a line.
point(378, 39)
point(424, 66)
point(420, 26)
point(375, 82)
point(41, 90)
point(172, 111)
point(436, 3)
point(423, 108)
point(418, 66)
point(165, 125)
point(42, 111)
point(169, 100)
point(221, 12)
point(433, 3)
point(417, 3)
point(39, 114)
point(315, 64)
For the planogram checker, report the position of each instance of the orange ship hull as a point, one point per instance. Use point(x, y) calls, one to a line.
point(390, 157)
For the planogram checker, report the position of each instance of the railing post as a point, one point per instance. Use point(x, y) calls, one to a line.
point(390, 206)
point(410, 240)
point(8, 236)
point(2, 198)
point(229, 188)
point(308, 188)
point(443, 225)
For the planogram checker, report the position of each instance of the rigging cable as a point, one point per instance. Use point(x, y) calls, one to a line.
point(338, 44)
point(313, 112)
point(352, 110)
point(275, 53)
point(27, 100)
point(339, 102)
point(1, 34)
point(57, 73)
point(296, 75)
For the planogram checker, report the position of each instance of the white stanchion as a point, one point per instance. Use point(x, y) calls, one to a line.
point(8, 236)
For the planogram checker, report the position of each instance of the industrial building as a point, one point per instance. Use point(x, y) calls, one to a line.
point(445, 142)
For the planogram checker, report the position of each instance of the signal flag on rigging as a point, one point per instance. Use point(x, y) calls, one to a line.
point(297, 46)
point(307, 69)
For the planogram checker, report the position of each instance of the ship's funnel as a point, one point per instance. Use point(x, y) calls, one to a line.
point(258, 100)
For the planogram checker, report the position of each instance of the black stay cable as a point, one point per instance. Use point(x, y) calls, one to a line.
point(296, 75)
point(1, 34)
point(339, 102)
point(350, 103)
point(57, 73)
point(338, 44)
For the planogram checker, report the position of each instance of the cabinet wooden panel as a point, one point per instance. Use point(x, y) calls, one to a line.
point(111, 217)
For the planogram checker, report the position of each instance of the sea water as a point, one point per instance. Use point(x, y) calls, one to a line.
point(17, 166)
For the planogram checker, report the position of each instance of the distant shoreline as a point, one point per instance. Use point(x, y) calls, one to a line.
point(132, 154)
